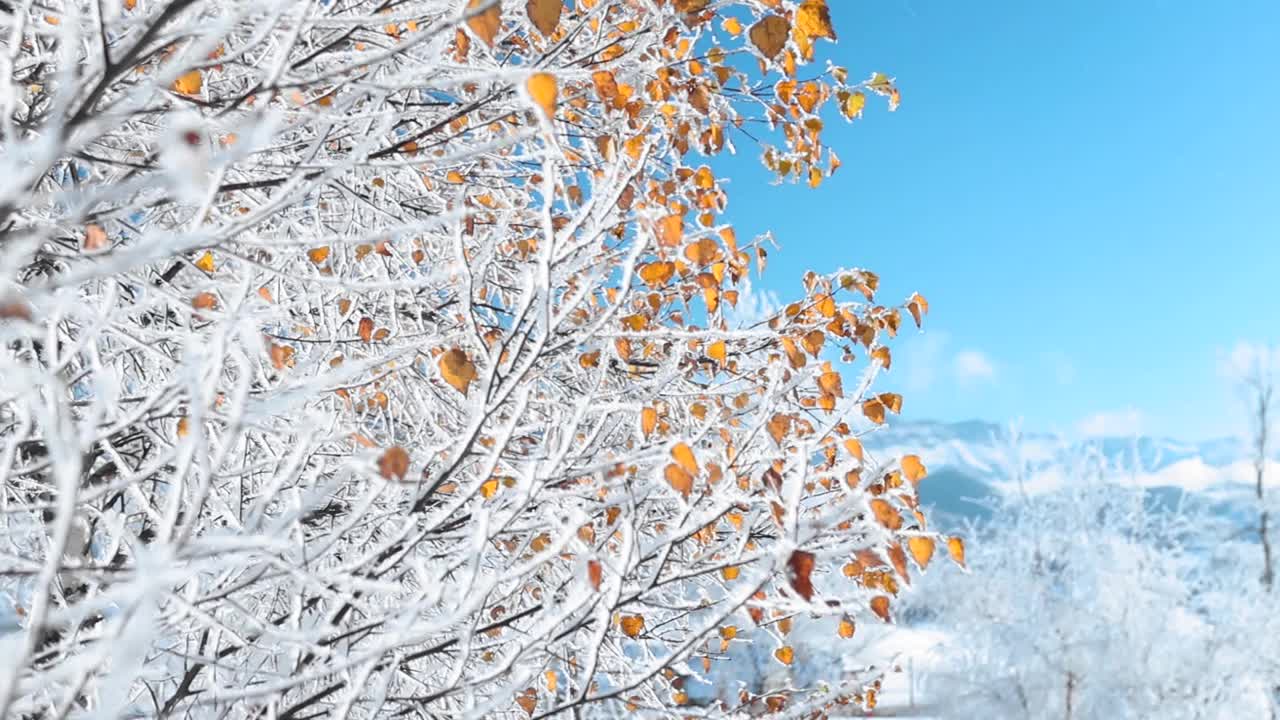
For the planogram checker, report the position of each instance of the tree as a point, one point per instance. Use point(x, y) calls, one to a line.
point(1093, 601)
point(369, 358)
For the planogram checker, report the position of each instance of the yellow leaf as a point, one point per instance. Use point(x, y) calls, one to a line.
point(648, 421)
point(394, 463)
point(769, 35)
point(318, 255)
point(913, 469)
point(632, 625)
point(457, 369)
point(543, 90)
point(813, 341)
point(183, 427)
point(545, 15)
point(717, 351)
point(886, 514)
point(486, 24)
point(893, 401)
point(921, 550)
point(846, 628)
point(813, 20)
point(785, 654)
point(730, 573)
point(679, 479)
point(205, 262)
point(732, 26)
point(702, 252)
point(854, 105)
point(550, 675)
point(671, 230)
point(683, 455)
point(854, 446)
point(955, 546)
point(489, 488)
point(189, 83)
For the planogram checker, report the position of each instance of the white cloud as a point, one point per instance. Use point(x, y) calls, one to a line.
point(1121, 423)
point(919, 356)
point(1248, 359)
point(972, 366)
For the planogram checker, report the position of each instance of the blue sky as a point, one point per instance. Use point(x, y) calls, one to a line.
point(1087, 192)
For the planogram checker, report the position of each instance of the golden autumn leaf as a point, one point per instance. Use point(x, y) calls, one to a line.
point(854, 447)
point(486, 23)
point(671, 229)
point(893, 401)
point(595, 573)
point(813, 20)
point(918, 307)
point(683, 455)
point(702, 252)
point(717, 351)
point(205, 262)
point(846, 628)
point(785, 654)
point(489, 488)
point(365, 329)
point(913, 469)
point(921, 550)
point(632, 625)
point(551, 677)
point(769, 35)
point(457, 369)
point(545, 15)
point(679, 479)
point(813, 341)
point(394, 463)
point(189, 83)
point(281, 356)
point(731, 572)
point(854, 105)
point(898, 558)
point(543, 90)
point(880, 606)
point(955, 547)
point(648, 420)
point(656, 274)
point(184, 427)
point(874, 410)
point(318, 255)
point(779, 426)
point(204, 301)
point(885, 513)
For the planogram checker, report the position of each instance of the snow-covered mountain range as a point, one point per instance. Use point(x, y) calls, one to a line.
point(972, 461)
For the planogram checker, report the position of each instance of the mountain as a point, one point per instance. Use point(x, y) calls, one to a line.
point(972, 463)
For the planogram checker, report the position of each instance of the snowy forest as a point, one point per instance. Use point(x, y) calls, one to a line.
point(401, 358)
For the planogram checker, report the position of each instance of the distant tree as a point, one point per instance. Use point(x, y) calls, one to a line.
point(1088, 602)
point(367, 359)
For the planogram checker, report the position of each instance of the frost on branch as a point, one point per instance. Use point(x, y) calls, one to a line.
point(367, 359)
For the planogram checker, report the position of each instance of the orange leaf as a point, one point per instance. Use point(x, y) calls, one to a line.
point(318, 255)
point(921, 550)
point(394, 463)
point(917, 306)
point(880, 606)
point(785, 654)
point(913, 469)
point(893, 401)
point(955, 546)
point(656, 274)
point(846, 628)
point(702, 252)
point(528, 700)
point(632, 625)
point(595, 573)
point(874, 410)
point(543, 90)
point(545, 15)
point(457, 369)
point(680, 480)
point(717, 351)
point(886, 514)
point(205, 262)
point(486, 24)
point(683, 455)
point(648, 420)
point(189, 83)
point(813, 20)
point(95, 238)
point(204, 301)
point(365, 330)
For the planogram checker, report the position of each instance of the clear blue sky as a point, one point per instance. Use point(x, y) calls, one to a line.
point(1087, 192)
